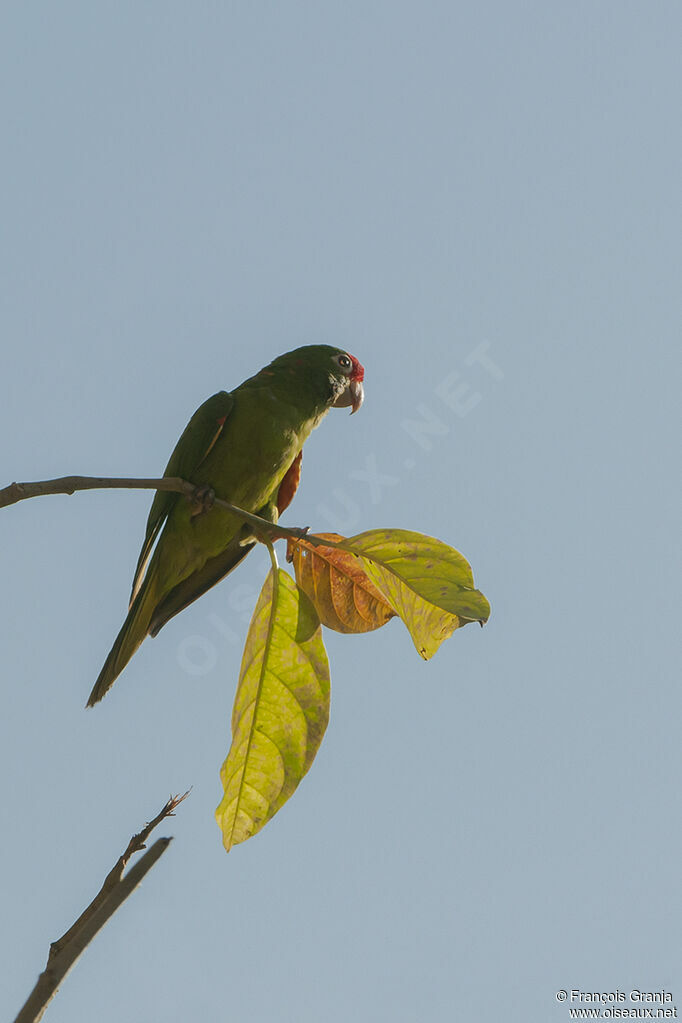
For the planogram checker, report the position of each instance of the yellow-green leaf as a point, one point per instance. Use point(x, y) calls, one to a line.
point(344, 596)
point(280, 712)
point(429, 584)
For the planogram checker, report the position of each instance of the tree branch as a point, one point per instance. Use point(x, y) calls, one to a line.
point(69, 484)
point(204, 496)
point(201, 495)
point(116, 888)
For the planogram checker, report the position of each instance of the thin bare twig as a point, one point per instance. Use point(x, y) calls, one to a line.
point(116, 888)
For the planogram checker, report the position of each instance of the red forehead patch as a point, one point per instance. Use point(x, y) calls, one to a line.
point(358, 369)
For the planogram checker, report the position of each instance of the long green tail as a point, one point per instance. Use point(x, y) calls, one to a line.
point(133, 632)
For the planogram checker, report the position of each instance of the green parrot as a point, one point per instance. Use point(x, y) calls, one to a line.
point(246, 446)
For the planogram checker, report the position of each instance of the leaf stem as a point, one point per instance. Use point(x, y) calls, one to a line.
point(273, 555)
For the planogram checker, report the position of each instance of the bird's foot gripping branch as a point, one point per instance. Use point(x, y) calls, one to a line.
point(351, 585)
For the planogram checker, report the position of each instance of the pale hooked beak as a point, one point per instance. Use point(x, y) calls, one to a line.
point(353, 396)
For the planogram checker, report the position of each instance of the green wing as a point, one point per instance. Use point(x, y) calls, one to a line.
point(217, 568)
point(197, 439)
point(198, 583)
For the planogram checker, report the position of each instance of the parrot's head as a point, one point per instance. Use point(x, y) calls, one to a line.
point(348, 379)
point(333, 378)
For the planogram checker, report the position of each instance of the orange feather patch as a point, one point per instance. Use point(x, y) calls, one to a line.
point(289, 484)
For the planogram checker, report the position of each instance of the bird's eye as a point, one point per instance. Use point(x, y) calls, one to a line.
point(344, 362)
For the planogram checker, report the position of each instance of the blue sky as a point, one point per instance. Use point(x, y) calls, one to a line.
point(479, 197)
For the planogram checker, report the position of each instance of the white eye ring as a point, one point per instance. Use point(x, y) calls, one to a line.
point(344, 362)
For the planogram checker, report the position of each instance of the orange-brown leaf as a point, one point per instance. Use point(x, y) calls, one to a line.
point(345, 598)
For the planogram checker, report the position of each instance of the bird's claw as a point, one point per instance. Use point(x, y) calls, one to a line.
point(300, 532)
point(274, 534)
point(202, 499)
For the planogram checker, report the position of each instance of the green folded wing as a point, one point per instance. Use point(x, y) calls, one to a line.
point(198, 583)
point(197, 439)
